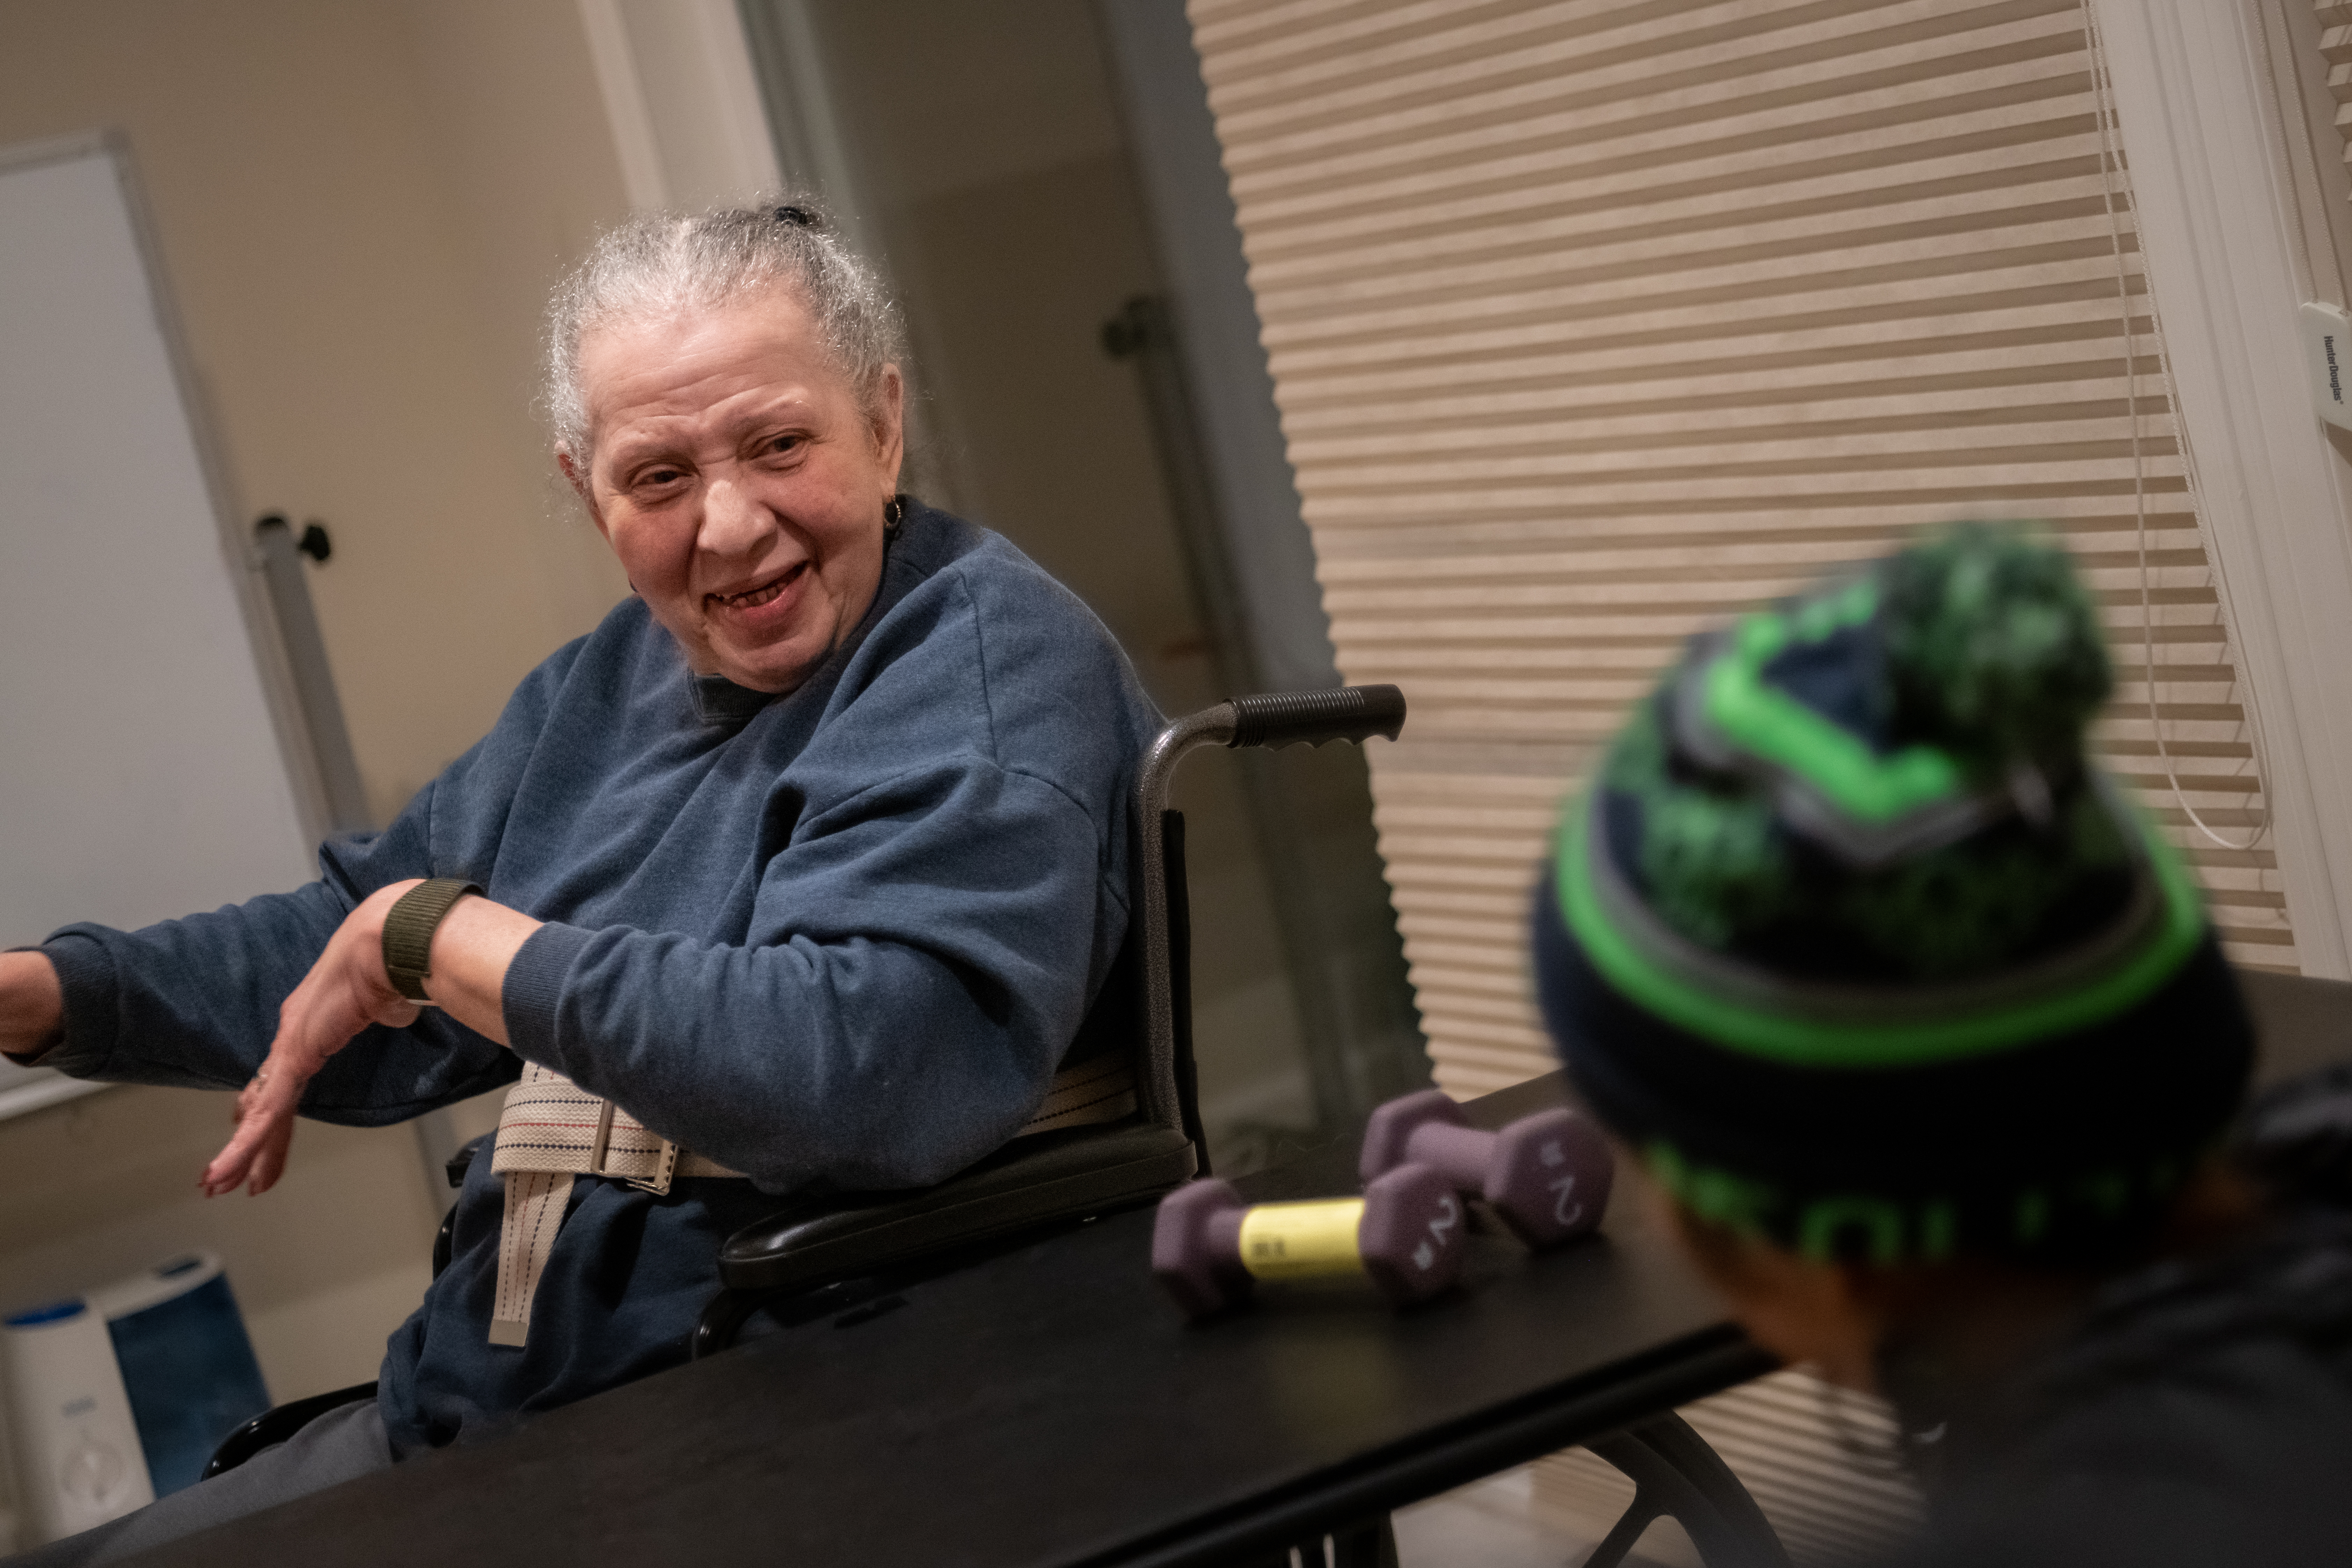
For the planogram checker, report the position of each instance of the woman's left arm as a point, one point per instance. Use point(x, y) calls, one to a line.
point(919, 958)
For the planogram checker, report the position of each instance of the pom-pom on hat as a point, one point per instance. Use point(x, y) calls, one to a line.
point(1853, 945)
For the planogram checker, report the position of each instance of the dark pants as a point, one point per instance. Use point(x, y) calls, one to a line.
point(340, 1446)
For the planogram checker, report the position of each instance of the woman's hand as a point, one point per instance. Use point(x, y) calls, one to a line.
point(346, 989)
point(32, 1003)
point(345, 992)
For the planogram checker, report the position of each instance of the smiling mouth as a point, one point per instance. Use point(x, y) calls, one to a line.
point(766, 593)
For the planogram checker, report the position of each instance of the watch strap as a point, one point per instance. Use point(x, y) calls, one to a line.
point(408, 928)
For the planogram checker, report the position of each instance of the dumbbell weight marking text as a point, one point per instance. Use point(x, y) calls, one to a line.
point(1449, 1215)
point(1553, 1155)
point(1560, 1211)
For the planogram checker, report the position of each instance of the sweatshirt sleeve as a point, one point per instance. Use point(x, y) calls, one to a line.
point(922, 952)
point(193, 1003)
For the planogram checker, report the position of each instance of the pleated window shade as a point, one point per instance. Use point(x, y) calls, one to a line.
point(1595, 322)
point(2336, 43)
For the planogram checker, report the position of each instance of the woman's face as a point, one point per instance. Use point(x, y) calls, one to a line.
point(738, 482)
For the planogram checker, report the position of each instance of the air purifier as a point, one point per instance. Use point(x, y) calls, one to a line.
point(120, 1396)
point(187, 1364)
point(78, 1462)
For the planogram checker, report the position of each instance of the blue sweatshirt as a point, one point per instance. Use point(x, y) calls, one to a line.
point(838, 939)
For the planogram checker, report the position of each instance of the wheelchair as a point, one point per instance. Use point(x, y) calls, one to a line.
point(837, 1253)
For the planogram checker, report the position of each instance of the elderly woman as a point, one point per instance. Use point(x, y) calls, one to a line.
point(810, 857)
point(1923, 1031)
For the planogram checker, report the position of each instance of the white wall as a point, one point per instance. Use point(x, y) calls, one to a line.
point(325, 1265)
point(681, 102)
point(360, 209)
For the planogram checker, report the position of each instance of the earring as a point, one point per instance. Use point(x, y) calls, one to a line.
point(894, 513)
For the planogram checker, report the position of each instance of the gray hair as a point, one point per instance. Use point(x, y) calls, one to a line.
point(660, 264)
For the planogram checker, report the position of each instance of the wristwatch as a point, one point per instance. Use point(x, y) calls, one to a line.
point(408, 928)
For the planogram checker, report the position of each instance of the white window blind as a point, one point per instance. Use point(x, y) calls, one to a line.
point(1596, 322)
point(2336, 43)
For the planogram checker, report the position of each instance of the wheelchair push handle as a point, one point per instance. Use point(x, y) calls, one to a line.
point(1354, 714)
point(1281, 718)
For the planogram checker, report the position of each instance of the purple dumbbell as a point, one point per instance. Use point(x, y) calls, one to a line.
point(1208, 1248)
point(1546, 1174)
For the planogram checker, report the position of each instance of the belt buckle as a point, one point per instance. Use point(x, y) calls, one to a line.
point(664, 1166)
point(664, 1163)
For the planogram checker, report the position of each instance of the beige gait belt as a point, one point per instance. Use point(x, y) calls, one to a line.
point(552, 1131)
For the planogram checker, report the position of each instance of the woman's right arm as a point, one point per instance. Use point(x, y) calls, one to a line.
point(195, 1001)
point(32, 1005)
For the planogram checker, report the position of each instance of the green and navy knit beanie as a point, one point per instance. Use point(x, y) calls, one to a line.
point(1852, 944)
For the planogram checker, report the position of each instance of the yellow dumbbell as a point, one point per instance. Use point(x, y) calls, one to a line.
point(1208, 1248)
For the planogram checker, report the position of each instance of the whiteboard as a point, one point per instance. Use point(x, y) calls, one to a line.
point(144, 744)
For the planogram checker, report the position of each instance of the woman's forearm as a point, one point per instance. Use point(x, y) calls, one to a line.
point(472, 947)
point(32, 1004)
point(347, 989)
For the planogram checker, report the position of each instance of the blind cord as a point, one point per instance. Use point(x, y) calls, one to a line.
point(2110, 163)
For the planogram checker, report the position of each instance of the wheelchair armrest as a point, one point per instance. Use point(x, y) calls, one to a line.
point(1032, 1181)
point(277, 1424)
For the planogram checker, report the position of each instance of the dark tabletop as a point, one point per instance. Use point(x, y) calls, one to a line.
point(1049, 1406)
